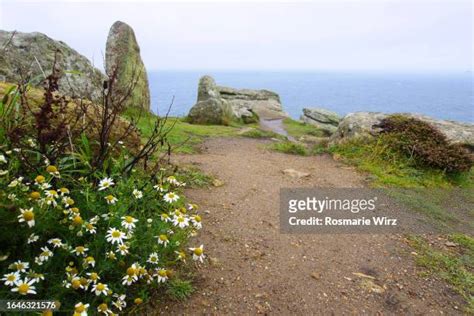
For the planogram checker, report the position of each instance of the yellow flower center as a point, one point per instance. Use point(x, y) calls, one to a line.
point(198, 251)
point(163, 238)
point(75, 210)
point(138, 301)
point(116, 234)
point(171, 195)
point(77, 220)
point(100, 287)
point(70, 201)
point(103, 307)
point(28, 216)
point(162, 273)
point(39, 179)
point(53, 193)
point(94, 276)
point(80, 249)
point(131, 271)
point(35, 195)
point(129, 219)
point(81, 308)
point(64, 190)
point(90, 259)
point(180, 219)
point(76, 284)
point(23, 288)
point(20, 266)
point(165, 215)
point(109, 198)
point(84, 281)
point(11, 277)
point(197, 218)
point(51, 169)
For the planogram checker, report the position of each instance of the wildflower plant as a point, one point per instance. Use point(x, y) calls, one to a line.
point(97, 230)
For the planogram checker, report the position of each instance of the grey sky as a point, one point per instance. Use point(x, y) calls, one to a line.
point(401, 35)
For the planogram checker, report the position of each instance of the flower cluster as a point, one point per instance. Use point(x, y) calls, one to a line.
point(97, 242)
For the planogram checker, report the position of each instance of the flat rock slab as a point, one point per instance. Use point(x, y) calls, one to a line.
point(295, 173)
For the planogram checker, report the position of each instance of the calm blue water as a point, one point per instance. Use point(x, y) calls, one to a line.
point(441, 96)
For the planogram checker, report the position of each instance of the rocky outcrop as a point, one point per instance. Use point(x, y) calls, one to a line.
point(31, 55)
point(363, 124)
point(244, 104)
point(122, 54)
point(210, 108)
point(322, 119)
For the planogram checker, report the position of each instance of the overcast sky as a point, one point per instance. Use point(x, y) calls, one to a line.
point(403, 35)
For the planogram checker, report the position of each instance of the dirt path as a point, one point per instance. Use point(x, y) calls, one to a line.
point(252, 268)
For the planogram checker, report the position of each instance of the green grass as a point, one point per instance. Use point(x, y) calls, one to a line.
point(179, 289)
point(390, 169)
point(290, 148)
point(184, 137)
point(455, 266)
point(298, 129)
point(259, 133)
point(194, 177)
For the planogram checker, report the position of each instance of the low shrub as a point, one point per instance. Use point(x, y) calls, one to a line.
point(290, 148)
point(258, 133)
point(427, 146)
point(88, 222)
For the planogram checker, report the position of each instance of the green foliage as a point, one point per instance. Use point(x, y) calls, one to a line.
point(298, 129)
point(455, 267)
point(184, 137)
point(194, 177)
point(259, 133)
point(290, 148)
point(424, 144)
point(389, 168)
point(180, 289)
point(251, 119)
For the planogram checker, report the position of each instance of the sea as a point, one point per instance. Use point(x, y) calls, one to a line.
point(443, 96)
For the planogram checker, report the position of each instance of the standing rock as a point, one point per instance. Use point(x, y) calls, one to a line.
point(31, 55)
point(123, 54)
point(321, 118)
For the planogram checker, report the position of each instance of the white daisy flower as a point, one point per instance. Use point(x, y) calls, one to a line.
point(56, 242)
point(162, 275)
point(115, 236)
point(198, 253)
point(129, 279)
point(123, 249)
point(196, 220)
point(137, 194)
point(90, 228)
point(163, 240)
point(172, 180)
point(104, 309)
point(11, 278)
point(120, 302)
point(165, 217)
point(3, 159)
point(80, 251)
point(52, 194)
point(110, 199)
point(20, 266)
point(3, 172)
point(80, 309)
point(12, 196)
point(94, 220)
point(25, 287)
point(28, 216)
point(153, 258)
point(46, 254)
point(105, 183)
point(181, 255)
point(89, 261)
point(32, 239)
point(100, 288)
point(93, 276)
point(128, 222)
point(159, 188)
point(181, 221)
point(171, 197)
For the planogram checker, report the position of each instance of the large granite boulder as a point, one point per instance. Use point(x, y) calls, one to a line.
point(122, 54)
point(364, 124)
point(245, 104)
point(322, 119)
point(31, 55)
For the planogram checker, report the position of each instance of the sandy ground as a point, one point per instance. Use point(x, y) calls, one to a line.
point(253, 269)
